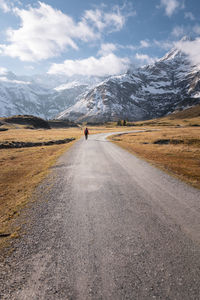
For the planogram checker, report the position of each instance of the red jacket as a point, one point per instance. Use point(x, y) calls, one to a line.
point(86, 131)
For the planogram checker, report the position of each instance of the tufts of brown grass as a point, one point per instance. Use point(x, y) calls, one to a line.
point(39, 135)
point(23, 169)
point(180, 155)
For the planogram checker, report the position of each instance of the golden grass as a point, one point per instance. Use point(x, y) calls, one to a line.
point(172, 121)
point(187, 117)
point(39, 135)
point(190, 113)
point(23, 169)
point(181, 157)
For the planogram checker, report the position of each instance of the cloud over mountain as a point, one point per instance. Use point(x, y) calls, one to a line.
point(106, 65)
point(191, 48)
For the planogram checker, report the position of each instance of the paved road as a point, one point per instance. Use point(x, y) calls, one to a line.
point(107, 225)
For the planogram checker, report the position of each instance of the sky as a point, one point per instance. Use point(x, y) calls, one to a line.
point(94, 38)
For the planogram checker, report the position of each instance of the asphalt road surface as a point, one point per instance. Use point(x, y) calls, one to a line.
point(106, 225)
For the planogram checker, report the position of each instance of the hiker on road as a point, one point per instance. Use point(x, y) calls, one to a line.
point(86, 132)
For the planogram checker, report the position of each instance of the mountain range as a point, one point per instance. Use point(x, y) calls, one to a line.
point(44, 96)
point(169, 84)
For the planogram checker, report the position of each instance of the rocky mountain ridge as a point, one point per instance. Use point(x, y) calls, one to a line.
point(169, 84)
point(40, 95)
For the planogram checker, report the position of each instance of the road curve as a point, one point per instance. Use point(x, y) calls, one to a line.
point(107, 225)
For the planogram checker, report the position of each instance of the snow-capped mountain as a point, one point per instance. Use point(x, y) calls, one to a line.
point(40, 95)
point(151, 91)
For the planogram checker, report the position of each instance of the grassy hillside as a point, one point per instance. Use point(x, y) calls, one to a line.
point(32, 122)
point(28, 121)
point(187, 117)
point(190, 113)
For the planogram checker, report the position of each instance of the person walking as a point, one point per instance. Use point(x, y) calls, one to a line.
point(86, 132)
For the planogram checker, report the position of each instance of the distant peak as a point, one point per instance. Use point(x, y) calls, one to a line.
point(175, 52)
point(171, 55)
point(186, 38)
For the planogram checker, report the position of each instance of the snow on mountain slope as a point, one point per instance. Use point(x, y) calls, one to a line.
point(40, 95)
point(170, 83)
point(18, 97)
point(151, 91)
point(105, 101)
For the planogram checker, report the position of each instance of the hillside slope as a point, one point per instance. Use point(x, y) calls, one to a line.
point(42, 96)
point(152, 91)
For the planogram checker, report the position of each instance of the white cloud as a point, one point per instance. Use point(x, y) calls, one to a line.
point(170, 6)
point(3, 71)
point(9, 5)
point(95, 17)
point(189, 15)
point(144, 44)
point(144, 58)
point(178, 31)
point(196, 29)
point(113, 21)
point(129, 47)
point(192, 48)
point(29, 67)
point(129, 8)
point(4, 6)
point(5, 79)
point(45, 32)
point(107, 48)
point(105, 65)
point(166, 45)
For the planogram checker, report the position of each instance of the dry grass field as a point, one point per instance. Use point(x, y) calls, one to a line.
point(24, 168)
point(187, 117)
point(174, 146)
point(171, 143)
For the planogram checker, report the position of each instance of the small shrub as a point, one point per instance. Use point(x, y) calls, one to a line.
point(119, 123)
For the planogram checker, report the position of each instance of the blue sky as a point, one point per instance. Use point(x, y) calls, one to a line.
point(92, 37)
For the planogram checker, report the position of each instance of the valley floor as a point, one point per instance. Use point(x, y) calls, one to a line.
point(175, 149)
point(24, 168)
point(106, 225)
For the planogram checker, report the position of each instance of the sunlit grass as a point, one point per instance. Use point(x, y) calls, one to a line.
point(23, 169)
point(180, 156)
